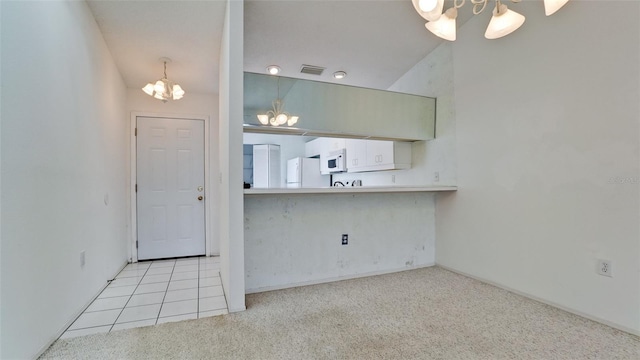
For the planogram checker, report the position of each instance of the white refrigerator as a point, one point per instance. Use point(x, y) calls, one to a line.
point(266, 166)
point(305, 172)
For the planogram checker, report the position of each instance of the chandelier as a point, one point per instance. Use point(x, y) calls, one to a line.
point(503, 22)
point(164, 89)
point(277, 116)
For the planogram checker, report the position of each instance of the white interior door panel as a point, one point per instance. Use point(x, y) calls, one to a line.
point(170, 187)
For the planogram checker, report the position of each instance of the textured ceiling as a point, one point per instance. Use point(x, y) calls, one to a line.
point(374, 41)
point(138, 33)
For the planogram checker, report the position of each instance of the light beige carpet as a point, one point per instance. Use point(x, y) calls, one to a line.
point(419, 314)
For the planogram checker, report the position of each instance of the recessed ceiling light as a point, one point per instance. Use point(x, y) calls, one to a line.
point(273, 69)
point(339, 75)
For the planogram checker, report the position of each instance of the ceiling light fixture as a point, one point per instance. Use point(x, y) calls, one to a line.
point(164, 89)
point(273, 69)
point(503, 22)
point(339, 75)
point(551, 6)
point(277, 116)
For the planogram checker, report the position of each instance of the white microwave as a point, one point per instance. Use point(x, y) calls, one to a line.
point(334, 162)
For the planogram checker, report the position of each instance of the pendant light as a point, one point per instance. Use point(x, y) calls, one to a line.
point(277, 116)
point(429, 9)
point(445, 27)
point(164, 89)
point(503, 22)
point(551, 6)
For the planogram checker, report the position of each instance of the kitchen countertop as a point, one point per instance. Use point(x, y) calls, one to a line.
point(348, 190)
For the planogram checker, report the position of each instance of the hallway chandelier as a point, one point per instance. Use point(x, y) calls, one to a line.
point(277, 116)
point(503, 22)
point(164, 89)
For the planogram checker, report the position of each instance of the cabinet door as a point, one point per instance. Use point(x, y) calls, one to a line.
point(356, 154)
point(336, 144)
point(315, 147)
point(379, 152)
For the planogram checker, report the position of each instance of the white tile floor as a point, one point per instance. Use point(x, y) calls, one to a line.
point(155, 292)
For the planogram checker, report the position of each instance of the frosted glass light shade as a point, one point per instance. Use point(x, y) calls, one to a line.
point(292, 120)
point(178, 93)
point(431, 15)
point(281, 119)
point(427, 5)
point(445, 27)
point(503, 22)
point(148, 89)
point(159, 86)
point(551, 6)
point(264, 119)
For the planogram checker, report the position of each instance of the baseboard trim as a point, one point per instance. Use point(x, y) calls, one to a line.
point(546, 302)
point(78, 313)
point(237, 309)
point(336, 278)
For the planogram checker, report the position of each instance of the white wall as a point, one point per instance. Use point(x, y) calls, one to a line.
point(205, 105)
point(231, 189)
point(547, 140)
point(435, 74)
point(64, 170)
point(296, 240)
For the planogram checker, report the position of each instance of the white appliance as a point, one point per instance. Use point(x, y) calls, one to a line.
point(266, 166)
point(305, 172)
point(334, 162)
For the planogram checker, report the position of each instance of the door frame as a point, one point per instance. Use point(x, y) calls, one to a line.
point(133, 171)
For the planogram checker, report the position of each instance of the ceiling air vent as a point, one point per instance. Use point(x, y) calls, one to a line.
point(311, 70)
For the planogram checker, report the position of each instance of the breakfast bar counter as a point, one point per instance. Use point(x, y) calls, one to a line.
point(348, 190)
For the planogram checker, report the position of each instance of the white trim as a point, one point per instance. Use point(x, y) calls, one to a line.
point(336, 278)
point(349, 190)
point(547, 302)
point(207, 192)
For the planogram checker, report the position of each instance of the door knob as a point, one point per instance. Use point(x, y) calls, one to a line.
point(200, 197)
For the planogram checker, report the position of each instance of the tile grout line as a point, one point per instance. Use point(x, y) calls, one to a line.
point(165, 292)
point(201, 261)
point(97, 298)
point(129, 299)
point(198, 301)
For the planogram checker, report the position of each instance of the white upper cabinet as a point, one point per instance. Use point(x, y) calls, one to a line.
point(314, 148)
point(323, 145)
point(377, 155)
point(356, 154)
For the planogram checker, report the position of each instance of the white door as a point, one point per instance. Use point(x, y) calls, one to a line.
point(170, 187)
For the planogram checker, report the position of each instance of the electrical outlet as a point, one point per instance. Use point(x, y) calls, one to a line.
point(436, 176)
point(345, 239)
point(605, 267)
point(82, 258)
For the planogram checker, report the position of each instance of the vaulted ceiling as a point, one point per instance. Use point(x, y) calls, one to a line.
point(374, 41)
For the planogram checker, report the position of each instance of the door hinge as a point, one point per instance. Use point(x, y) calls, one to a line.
point(136, 187)
point(136, 244)
point(135, 132)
